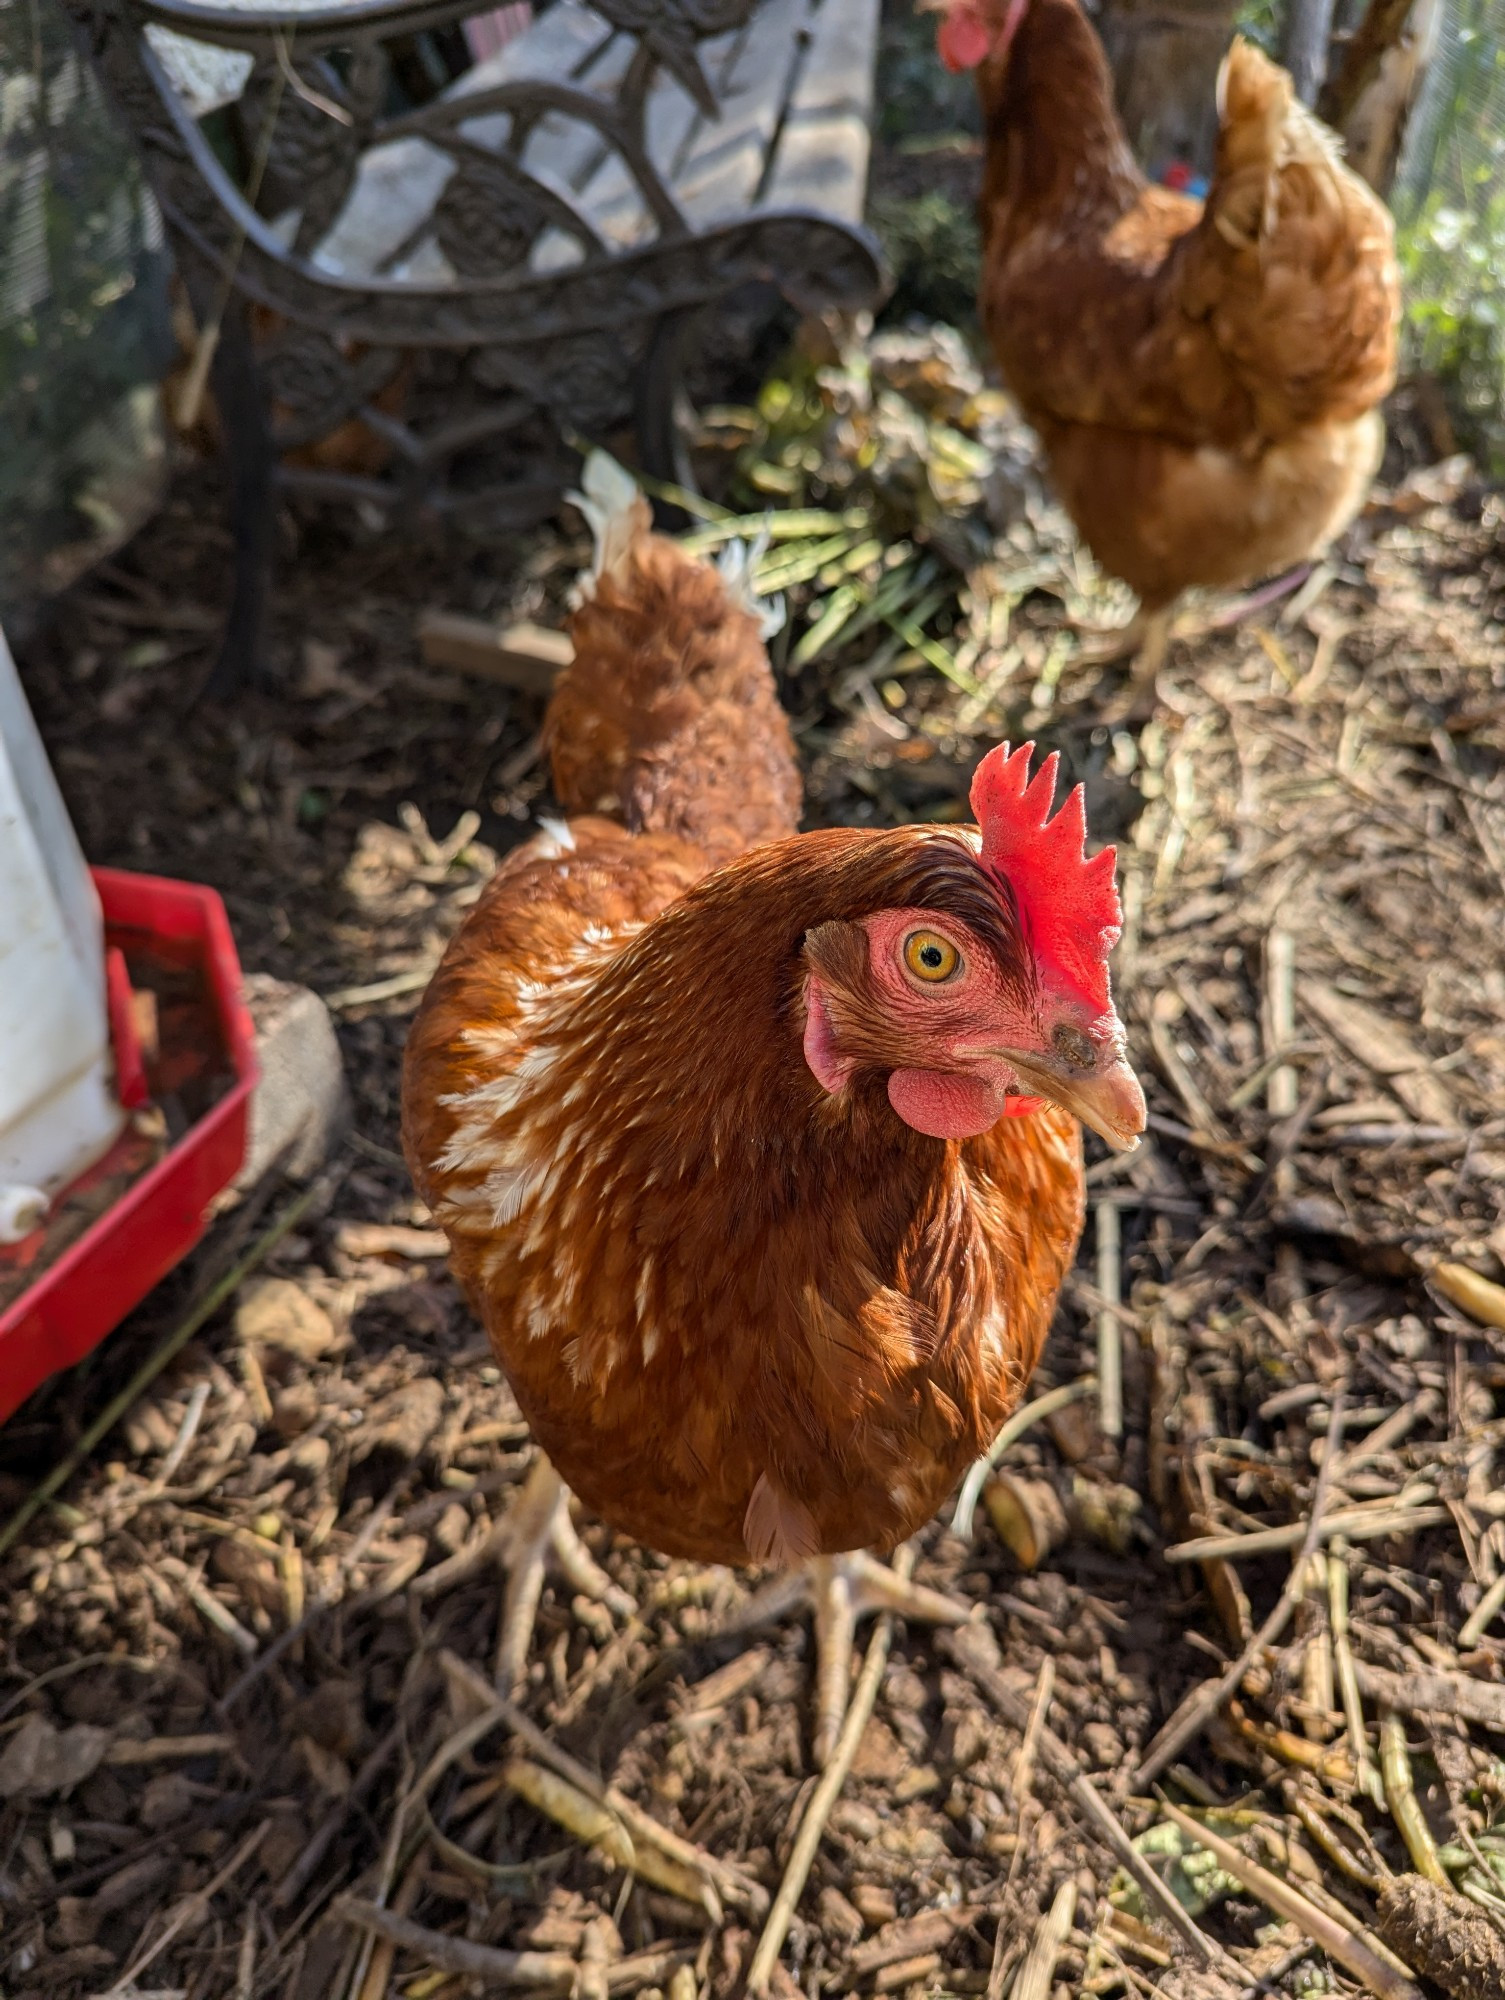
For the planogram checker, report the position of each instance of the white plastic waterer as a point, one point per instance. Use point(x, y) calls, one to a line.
point(58, 1110)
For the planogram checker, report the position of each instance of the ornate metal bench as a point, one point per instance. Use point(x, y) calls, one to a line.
point(470, 277)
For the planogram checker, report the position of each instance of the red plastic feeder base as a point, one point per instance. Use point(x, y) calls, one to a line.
point(171, 939)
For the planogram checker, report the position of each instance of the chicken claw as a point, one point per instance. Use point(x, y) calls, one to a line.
point(538, 1527)
point(840, 1590)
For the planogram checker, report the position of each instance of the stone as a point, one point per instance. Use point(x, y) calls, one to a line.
point(300, 1106)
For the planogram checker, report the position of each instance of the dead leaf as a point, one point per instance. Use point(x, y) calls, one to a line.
point(332, 1715)
point(330, 1773)
point(251, 1574)
point(1385, 1049)
point(41, 1759)
point(166, 1800)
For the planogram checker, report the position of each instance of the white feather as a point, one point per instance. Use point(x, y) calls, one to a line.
point(737, 563)
point(610, 501)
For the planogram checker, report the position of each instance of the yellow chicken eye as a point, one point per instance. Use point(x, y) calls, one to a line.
point(929, 956)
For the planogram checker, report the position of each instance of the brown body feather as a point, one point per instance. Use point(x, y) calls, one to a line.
point(743, 1317)
point(1204, 378)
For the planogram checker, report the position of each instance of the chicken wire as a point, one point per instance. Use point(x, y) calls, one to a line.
point(84, 326)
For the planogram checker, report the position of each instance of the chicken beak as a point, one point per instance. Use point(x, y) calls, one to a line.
point(1108, 1101)
point(1111, 1104)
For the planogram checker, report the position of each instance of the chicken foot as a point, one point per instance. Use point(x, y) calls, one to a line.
point(1135, 702)
point(1147, 637)
point(840, 1590)
point(537, 1528)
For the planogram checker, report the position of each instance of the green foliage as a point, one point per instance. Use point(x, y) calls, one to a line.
point(916, 92)
point(83, 324)
point(932, 247)
point(1451, 231)
point(1453, 261)
point(1261, 21)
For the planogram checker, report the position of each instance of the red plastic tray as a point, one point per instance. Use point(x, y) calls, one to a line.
point(159, 1218)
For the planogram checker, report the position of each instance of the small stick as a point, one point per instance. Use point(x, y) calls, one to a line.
point(192, 1417)
point(734, 1885)
point(1067, 1773)
point(379, 1965)
point(1038, 1970)
point(1360, 1524)
point(1483, 1615)
point(578, 1813)
point(1280, 995)
point(256, 1386)
point(1110, 1351)
point(155, 1362)
point(1024, 1767)
point(543, 1971)
point(1351, 1949)
point(126, 1751)
point(245, 1964)
point(1032, 1413)
point(1318, 1686)
point(188, 1909)
point(825, 1795)
point(1400, 1795)
point(1204, 1702)
point(214, 1613)
point(1365, 1774)
point(1282, 1095)
point(1435, 1694)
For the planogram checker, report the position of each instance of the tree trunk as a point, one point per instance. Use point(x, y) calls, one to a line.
point(1382, 26)
point(1308, 30)
point(1165, 56)
point(1374, 90)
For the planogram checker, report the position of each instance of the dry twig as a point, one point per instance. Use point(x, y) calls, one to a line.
point(1204, 1702)
point(825, 1795)
point(1351, 1949)
point(1064, 1769)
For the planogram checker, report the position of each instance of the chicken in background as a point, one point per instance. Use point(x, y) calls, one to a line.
point(758, 1151)
point(1204, 376)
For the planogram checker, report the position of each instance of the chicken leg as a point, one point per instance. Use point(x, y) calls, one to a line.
point(537, 1528)
point(840, 1590)
point(1134, 701)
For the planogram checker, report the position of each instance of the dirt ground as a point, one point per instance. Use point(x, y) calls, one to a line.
point(238, 1691)
point(1335, 779)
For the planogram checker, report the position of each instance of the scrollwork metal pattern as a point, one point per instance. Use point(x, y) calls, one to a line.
point(490, 335)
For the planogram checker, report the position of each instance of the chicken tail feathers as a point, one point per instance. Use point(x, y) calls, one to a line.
point(1293, 262)
point(617, 513)
point(668, 718)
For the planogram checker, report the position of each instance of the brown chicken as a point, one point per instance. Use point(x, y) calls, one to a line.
point(757, 1150)
point(1204, 377)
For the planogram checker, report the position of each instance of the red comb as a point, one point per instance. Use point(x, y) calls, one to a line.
point(1070, 904)
point(963, 39)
